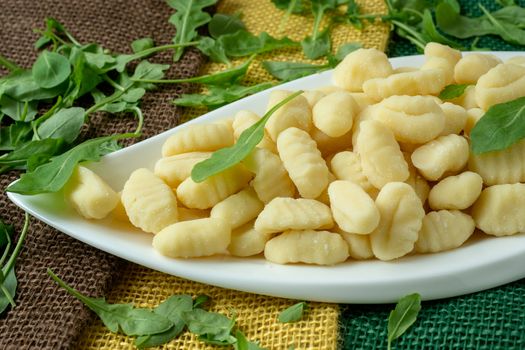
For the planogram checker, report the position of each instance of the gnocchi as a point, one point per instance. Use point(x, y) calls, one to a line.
point(334, 113)
point(296, 113)
point(238, 208)
point(456, 192)
point(198, 138)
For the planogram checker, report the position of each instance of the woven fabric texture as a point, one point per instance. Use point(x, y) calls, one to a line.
point(256, 314)
point(493, 319)
point(47, 317)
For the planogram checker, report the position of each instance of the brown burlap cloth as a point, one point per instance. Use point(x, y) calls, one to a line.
point(44, 317)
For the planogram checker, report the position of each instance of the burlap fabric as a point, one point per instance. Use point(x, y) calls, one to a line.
point(46, 317)
point(257, 315)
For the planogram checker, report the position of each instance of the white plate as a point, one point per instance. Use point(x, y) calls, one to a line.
point(479, 264)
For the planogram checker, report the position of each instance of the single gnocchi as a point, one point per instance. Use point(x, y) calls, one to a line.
point(346, 165)
point(247, 241)
point(402, 215)
point(238, 208)
point(446, 154)
point(175, 169)
point(503, 83)
point(205, 194)
point(303, 161)
point(271, 178)
point(311, 247)
point(471, 67)
point(198, 138)
point(456, 192)
point(296, 113)
point(334, 113)
point(444, 230)
point(358, 245)
point(381, 158)
point(353, 209)
point(244, 120)
point(89, 195)
point(150, 203)
point(195, 238)
point(500, 210)
point(283, 214)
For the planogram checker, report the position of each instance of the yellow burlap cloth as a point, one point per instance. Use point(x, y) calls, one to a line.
point(256, 314)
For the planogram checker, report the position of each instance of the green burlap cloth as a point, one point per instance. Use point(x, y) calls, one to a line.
point(492, 319)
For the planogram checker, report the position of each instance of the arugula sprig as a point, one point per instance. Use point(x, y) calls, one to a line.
point(8, 282)
point(403, 316)
point(165, 322)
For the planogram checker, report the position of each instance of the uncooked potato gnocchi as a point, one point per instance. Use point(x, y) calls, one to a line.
point(394, 150)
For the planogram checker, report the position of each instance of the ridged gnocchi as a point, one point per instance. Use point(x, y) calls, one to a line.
point(346, 165)
point(198, 138)
point(311, 247)
point(245, 119)
point(381, 158)
point(296, 113)
point(150, 203)
point(503, 83)
point(334, 113)
point(303, 161)
point(238, 208)
point(283, 214)
point(444, 230)
point(456, 192)
point(471, 67)
point(247, 241)
point(175, 169)
point(194, 238)
point(401, 219)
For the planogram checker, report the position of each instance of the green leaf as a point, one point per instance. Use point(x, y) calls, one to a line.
point(50, 69)
point(52, 176)
point(222, 24)
point(14, 135)
point(20, 85)
point(226, 158)
point(142, 44)
point(220, 96)
point(403, 316)
point(433, 34)
point(200, 300)
point(293, 314)
point(243, 43)
point(287, 71)
point(147, 70)
point(211, 327)
point(43, 149)
point(316, 47)
point(172, 308)
point(187, 19)
point(344, 50)
point(502, 126)
point(131, 321)
point(10, 284)
point(452, 91)
point(65, 124)
point(294, 6)
point(6, 233)
point(244, 344)
point(18, 110)
point(214, 49)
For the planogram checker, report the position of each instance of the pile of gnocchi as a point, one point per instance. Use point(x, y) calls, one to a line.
point(375, 166)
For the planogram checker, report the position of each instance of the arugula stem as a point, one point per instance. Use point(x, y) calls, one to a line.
point(140, 116)
point(8, 295)
point(18, 247)
point(317, 23)
point(70, 290)
point(155, 49)
point(113, 82)
point(6, 251)
point(389, 345)
point(9, 65)
point(284, 19)
point(46, 115)
point(107, 100)
point(416, 39)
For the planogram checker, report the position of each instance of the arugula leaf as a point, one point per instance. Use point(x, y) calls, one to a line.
point(18, 110)
point(287, 71)
point(200, 300)
point(142, 44)
point(50, 69)
point(52, 176)
point(219, 96)
point(65, 124)
point(222, 24)
point(14, 135)
point(244, 344)
point(8, 290)
point(318, 46)
point(187, 19)
point(6, 233)
point(226, 158)
point(214, 49)
point(173, 309)
point(452, 91)
point(501, 126)
point(211, 327)
point(403, 316)
point(344, 50)
point(243, 43)
point(124, 317)
point(293, 314)
point(432, 34)
point(43, 149)
point(224, 77)
point(21, 86)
